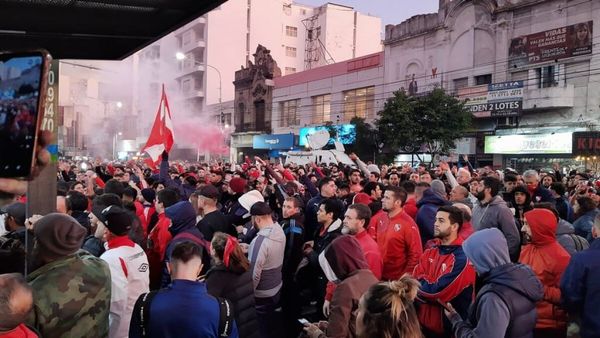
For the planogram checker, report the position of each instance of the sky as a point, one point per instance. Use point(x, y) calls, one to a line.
point(390, 11)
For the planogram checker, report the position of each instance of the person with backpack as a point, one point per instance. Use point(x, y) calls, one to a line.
point(230, 278)
point(156, 314)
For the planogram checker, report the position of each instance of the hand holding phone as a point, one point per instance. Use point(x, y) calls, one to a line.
point(303, 321)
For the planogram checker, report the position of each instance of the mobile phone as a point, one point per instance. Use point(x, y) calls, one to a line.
point(23, 82)
point(303, 321)
point(444, 305)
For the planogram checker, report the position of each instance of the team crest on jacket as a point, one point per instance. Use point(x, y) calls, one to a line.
point(397, 227)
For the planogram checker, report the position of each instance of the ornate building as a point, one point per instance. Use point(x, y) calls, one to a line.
point(253, 100)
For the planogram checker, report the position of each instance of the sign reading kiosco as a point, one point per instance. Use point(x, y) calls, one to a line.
point(586, 143)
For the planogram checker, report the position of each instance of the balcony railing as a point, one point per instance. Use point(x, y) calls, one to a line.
point(550, 97)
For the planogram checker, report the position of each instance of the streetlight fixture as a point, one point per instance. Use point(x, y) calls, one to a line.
point(119, 104)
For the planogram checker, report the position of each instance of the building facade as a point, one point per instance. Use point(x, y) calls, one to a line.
point(526, 69)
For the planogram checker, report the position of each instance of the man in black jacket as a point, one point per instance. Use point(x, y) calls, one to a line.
point(213, 219)
point(293, 227)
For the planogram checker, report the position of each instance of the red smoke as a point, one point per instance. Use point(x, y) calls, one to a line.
point(202, 135)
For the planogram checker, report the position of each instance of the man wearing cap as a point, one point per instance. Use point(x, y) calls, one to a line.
point(71, 288)
point(213, 219)
point(12, 244)
point(266, 254)
point(94, 242)
point(128, 268)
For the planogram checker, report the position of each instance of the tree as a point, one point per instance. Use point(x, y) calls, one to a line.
point(430, 123)
point(365, 142)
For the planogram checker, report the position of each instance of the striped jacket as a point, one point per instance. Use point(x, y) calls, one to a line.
point(266, 258)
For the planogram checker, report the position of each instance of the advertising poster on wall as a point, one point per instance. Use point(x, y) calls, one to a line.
point(553, 44)
point(494, 100)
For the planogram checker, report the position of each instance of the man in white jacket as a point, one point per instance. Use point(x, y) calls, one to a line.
point(128, 268)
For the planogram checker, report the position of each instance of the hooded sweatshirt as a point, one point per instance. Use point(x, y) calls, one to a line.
point(496, 214)
point(344, 263)
point(565, 235)
point(266, 254)
point(548, 260)
point(183, 228)
point(428, 206)
point(507, 292)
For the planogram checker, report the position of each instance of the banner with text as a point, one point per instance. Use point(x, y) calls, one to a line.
point(553, 44)
point(494, 100)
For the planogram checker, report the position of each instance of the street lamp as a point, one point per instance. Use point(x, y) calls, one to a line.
point(115, 141)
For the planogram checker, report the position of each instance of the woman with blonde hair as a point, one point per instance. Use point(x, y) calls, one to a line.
point(386, 310)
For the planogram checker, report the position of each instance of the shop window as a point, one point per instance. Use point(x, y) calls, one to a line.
point(289, 113)
point(547, 76)
point(510, 121)
point(483, 79)
point(322, 112)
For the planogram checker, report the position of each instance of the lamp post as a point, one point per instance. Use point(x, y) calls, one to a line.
point(181, 56)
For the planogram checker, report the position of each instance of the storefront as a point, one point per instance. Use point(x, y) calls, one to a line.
point(531, 151)
point(272, 144)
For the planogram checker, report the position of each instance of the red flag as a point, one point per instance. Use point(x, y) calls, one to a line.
point(161, 135)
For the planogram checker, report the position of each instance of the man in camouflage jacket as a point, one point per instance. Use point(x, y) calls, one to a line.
point(71, 288)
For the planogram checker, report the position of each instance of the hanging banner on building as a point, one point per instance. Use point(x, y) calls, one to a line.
point(586, 143)
point(553, 44)
point(494, 100)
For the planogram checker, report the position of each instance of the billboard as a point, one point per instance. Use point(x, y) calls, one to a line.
point(586, 143)
point(553, 44)
point(346, 133)
point(494, 100)
point(557, 143)
point(274, 141)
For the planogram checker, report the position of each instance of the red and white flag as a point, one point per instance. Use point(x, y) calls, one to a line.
point(161, 135)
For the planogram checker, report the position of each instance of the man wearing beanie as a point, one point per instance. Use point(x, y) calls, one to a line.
point(129, 269)
point(62, 307)
point(213, 219)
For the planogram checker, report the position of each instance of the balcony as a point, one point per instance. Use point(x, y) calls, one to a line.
point(551, 97)
point(197, 23)
point(194, 93)
point(190, 69)
point(190, 46)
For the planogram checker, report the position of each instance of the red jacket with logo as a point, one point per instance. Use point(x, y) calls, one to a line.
point(401, 247)
point(446, 275)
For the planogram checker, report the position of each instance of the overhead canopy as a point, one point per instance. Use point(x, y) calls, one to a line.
point(99, 29)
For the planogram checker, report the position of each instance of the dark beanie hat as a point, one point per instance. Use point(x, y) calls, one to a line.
point(58, 235)
point(116, 219)
point(149, 195)
point(260, 209)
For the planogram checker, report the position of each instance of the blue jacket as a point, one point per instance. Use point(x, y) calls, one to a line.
point(580, 289)
point(428, 206)
point(183, 310)
point(583, 224)
point(184, 189)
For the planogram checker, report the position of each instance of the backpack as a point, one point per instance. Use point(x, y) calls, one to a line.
point(580, 242)
point(225, 313)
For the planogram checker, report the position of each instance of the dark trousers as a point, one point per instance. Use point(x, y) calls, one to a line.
point(268, 320)
point(549, 333)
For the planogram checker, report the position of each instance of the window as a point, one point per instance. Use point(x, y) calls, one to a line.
point(510, 121)
point(287, 9)
point(290, 51)
point(289, 116)
point(359, 102)
point(483, 79)
point(291, 31)
point(547, 76)
point(461, 83)
point(322, 112)
point(290, 70)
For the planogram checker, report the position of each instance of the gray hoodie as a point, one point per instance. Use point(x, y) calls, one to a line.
point(487, 250)
point(266, 258)
point(496, 214)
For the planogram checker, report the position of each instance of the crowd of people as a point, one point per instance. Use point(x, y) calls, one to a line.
point(263, 250)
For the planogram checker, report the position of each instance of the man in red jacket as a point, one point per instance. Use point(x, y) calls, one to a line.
point(401, 247)
point(159, 236)
point(445, 274)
